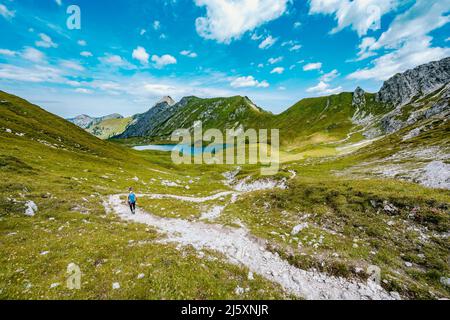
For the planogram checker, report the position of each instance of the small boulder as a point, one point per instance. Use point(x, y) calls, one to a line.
point(296, 230)
point(31, 208)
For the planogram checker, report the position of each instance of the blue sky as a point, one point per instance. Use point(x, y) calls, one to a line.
point(130, 53)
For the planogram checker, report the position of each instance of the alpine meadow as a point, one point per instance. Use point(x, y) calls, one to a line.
point(338, 188)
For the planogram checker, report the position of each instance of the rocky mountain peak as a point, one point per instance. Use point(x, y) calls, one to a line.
point(359, 98)
point(418, 82)
point(83, 121)
point(168, 100)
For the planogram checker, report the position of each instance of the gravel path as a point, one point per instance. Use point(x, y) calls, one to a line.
point(241, 248)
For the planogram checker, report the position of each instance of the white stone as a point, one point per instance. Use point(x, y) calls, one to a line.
point(31, 208)
point(296, 230)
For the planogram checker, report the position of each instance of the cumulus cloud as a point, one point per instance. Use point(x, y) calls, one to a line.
point(74, 65)
point(410, 55)
point(33, 55)
point(189, 54)
point(227, 20)
point(278, 70)
point(324, 88)
point(406, 41)
point(156, 25)
point(86, 54)
point(330, 76)
point(312, 66)
point(82, 43)
point(6, 13)
point(164, 60)
point(360, 15)
point(113, 60)
point(141, 54)
point(249, 81)
point(267, 42)
point(45, 41)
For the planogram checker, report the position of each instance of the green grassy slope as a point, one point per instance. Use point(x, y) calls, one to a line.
point(109, 128)
point(221, 113)
point(67, 172)
point(351, 220)
point(327, 118)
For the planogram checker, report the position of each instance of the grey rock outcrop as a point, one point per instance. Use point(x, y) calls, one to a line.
point(359, 98)
point(146, 123)
point(418, 82)
point(85, 121)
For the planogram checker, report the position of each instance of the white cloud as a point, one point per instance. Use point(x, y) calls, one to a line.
point(424, 17)
point(74, 65)
point(275, 60)
point(227, 20)
point(82, 43)
point(406, 41)
point(143, 31)
point(324, 88)
point(364, 48)
point(45, 42)
point(327, 77)
point(33, 55)
point(141, 54)
point(295, 47)
point(6, 52)
point(6, 13)
point(278, 70)
point(84, 91)
point(59, 2)
point(189, 54)
point(410, 55)
point(360, 15)
point(161, 62)
point(256, 37)
point(249, 81)
point(267, 42)
point(36, 74)
point(113, 60)
point(86, 54)
point(312, 66)
point(261, 65)
point(156, 25)
point(297, 24)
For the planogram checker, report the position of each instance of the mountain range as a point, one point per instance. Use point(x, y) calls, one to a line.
point(404, 100)
point(102, 127)
point(364, 181)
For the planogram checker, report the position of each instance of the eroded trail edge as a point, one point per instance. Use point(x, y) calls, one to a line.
point(241, 248)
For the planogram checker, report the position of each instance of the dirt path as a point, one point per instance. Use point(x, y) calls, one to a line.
point(241, 248)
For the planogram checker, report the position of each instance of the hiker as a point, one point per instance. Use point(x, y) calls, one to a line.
point(132, 201)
